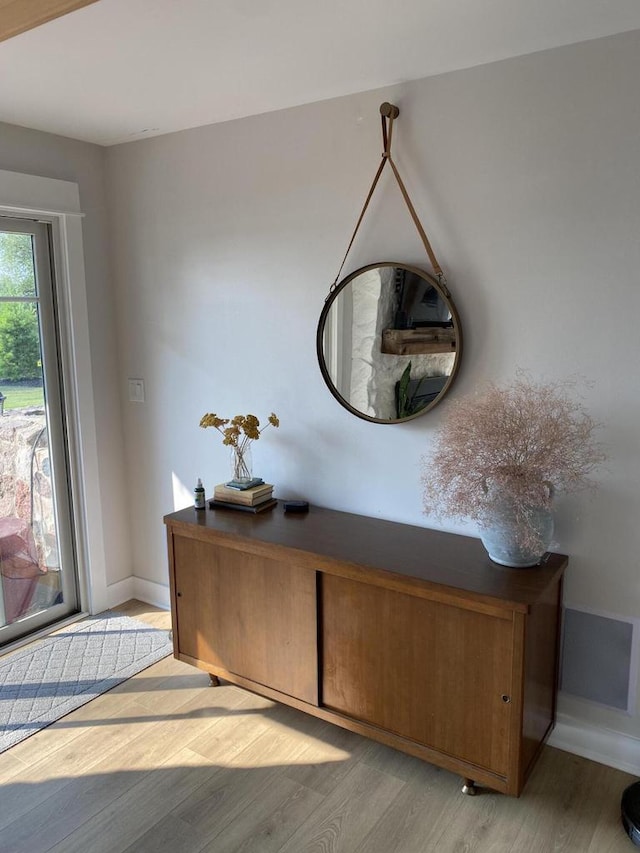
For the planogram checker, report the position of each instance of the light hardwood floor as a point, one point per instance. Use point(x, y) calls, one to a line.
point(164, 763)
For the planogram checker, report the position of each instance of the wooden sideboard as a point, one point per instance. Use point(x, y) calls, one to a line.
point(409, 636)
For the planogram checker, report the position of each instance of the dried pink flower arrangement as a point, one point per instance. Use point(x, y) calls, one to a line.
point(515, 444)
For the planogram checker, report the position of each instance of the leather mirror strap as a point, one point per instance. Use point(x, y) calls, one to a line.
point(388, 113)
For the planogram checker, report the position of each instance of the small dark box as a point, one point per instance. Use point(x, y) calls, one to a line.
point(296, 506)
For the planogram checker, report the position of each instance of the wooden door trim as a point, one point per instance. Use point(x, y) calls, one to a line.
point(18, 16)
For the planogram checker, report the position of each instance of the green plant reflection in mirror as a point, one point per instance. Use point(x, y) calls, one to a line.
point(389, 342)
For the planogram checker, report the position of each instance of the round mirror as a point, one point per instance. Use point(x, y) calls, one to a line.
point(389, 342)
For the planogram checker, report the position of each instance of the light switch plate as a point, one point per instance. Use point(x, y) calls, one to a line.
point(136, 390)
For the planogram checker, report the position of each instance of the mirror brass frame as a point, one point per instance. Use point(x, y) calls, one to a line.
point(444, 295)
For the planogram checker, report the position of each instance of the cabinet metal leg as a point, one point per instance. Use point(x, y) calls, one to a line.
point(215, 681)
point(469, 787)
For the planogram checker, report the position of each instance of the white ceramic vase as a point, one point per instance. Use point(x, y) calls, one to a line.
point(502, 532)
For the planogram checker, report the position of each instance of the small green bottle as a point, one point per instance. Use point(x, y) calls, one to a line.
point(198, 495)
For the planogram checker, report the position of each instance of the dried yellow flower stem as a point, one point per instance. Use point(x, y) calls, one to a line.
point(242, 429)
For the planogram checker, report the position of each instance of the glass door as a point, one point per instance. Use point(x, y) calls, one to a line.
point(38, 571)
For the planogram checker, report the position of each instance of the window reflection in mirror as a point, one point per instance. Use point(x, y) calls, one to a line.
point(388, 342)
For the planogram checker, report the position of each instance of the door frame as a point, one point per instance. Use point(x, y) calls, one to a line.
point(57, 203)
point(44, 297)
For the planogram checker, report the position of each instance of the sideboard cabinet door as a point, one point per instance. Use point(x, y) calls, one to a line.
point(248, 615)
point(438, 674)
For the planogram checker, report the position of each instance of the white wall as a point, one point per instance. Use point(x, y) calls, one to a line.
point(31, 152)
point(226, 238)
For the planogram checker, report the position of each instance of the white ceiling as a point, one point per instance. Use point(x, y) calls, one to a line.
point(120, 70)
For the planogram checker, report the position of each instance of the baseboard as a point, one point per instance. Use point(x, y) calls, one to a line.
point(148, 591)
point(151, 593)
point(118, 593)
point(602, 745)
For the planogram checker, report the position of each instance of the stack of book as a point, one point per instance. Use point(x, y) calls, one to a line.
point(254, 496)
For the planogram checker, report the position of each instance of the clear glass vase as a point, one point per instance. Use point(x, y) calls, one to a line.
point(241, 464)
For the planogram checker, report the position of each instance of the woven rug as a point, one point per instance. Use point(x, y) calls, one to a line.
point(51, 677)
